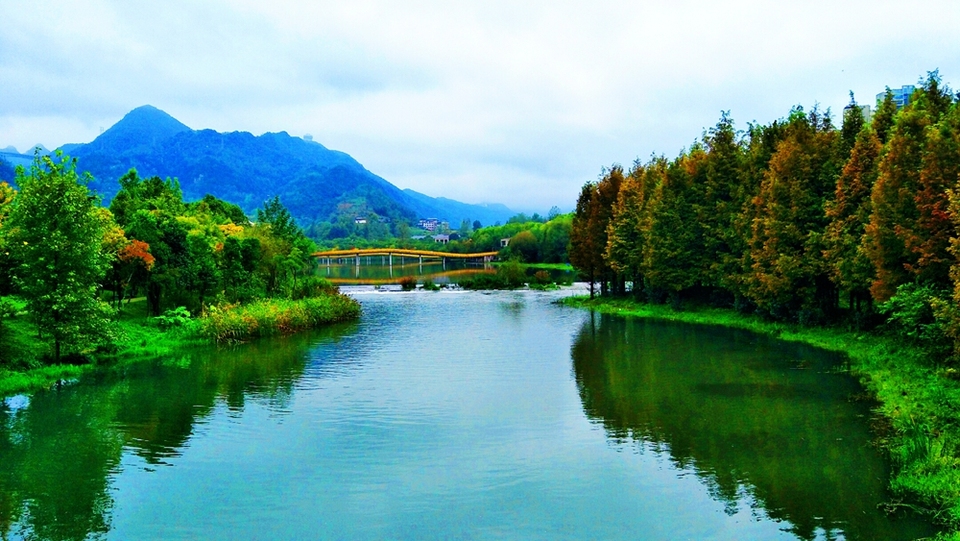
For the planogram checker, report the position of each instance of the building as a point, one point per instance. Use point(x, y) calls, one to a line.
point(442, 239)
point(901, 96)
point(430, 224)
point(866, 110)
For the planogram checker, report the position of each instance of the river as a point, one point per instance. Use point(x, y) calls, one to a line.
point(456, 415)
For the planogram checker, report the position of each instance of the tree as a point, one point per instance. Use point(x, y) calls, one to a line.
point(274, 213)
point(584, 255)
point(477, 225)
point(789, 279)
point(7, 194)
point(57, 237)
point(524, 244)
point(849, 214)
point(894, 207)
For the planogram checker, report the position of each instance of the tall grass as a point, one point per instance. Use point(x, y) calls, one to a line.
point(271, 317)
point(920, 399)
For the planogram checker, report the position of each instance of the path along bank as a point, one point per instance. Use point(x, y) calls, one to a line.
point(918, 403)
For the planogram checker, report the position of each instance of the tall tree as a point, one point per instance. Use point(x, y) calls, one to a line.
point(723, 199)
point(849, 214)
point(56, 235)
point(892, 226)
point(625, 242)
point(673, 250)
point(789, 279)
point(584, 255)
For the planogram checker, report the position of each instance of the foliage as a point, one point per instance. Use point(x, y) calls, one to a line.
point(175, 317)
point(276, 317)
point(55, 235)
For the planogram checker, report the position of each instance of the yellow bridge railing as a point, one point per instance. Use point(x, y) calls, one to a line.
point(402, 252)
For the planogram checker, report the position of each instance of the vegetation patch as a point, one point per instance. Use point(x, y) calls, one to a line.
point(276, 317)
point(920, 400)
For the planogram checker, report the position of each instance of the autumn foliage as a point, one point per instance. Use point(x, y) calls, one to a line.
point(797, 220)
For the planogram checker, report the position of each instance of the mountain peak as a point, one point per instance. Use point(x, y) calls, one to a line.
point(142, 127)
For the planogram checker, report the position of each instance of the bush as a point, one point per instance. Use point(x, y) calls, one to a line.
point(271, 317)
point(313, 286)
point(176, 317)
point(408, 283)
point(911, 315)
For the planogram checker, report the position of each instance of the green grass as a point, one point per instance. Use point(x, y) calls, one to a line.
point(23, 365)
point(919, 398)
point(271, 317)
point(544, 266)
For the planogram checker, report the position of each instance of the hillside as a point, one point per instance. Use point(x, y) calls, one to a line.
point(311, 180)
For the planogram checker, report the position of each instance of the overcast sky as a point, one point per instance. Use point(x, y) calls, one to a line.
point(486, 101)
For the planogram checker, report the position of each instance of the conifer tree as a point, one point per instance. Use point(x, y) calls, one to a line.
point(674, 241)
point(789, 278)
point(895, 212)
point(849, 214)
point(721, 202)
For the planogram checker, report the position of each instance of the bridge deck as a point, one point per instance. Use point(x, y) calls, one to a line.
point(400, 252)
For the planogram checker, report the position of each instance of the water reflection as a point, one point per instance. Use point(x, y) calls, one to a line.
point(372, 272)
point(760, 422)
point(57, 455)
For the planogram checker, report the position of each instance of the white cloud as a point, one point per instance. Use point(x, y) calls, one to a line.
point(481, 101)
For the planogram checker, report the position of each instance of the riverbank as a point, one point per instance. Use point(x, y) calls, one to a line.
point(139, 337)
point(919, 402)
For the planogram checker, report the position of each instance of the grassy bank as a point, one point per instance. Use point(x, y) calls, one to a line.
point(920, 400)
point(23, 356)
point(276, 317)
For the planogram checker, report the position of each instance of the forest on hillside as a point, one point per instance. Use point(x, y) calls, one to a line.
point(796, 220)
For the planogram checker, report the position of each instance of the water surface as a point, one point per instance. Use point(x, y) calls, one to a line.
point(455, 415)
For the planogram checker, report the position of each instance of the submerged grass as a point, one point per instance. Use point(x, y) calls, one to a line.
point(919, 399)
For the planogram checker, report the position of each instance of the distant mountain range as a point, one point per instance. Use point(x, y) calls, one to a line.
point(314, 182)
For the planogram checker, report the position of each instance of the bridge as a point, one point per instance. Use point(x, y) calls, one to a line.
point(329, 256)
point(402, 253)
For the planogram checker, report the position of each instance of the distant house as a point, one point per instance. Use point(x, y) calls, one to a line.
point(504, 243)
point(442, 239)
point(430, 224)
point(359, 220)
point(418, 237)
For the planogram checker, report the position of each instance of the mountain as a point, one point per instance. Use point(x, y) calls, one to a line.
point(314, 182)
point(6, 171)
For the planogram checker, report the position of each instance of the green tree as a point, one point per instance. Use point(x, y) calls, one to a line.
point(57, 236)
point(674, 241)
point(524, 245)
point(281, 222)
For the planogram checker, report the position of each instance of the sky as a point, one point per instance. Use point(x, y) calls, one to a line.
point(512, 102)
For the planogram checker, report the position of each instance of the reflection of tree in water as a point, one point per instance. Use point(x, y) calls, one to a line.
point(58, 453)
point(757, 420)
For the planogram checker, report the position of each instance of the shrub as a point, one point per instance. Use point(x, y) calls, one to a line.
point(408, 283)
point(270, 317)
point(175, 317)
